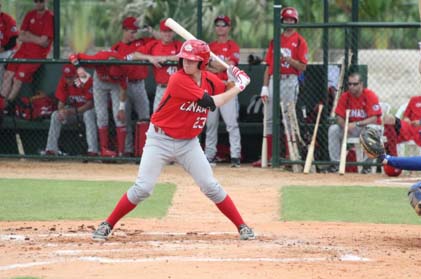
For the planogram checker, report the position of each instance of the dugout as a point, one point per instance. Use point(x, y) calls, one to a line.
point(312, 92)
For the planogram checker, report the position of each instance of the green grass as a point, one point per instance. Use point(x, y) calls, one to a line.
point(43, 200)
point(347, 204)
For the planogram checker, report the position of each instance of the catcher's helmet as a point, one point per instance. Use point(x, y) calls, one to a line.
point(289, 12)
point(391, 171)
point(195, 50)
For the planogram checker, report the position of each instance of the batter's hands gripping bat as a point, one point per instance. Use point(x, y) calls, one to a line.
point(342, 161)
point(310, 152)
point(177, 28)
point(265, 140)
point(340, 88)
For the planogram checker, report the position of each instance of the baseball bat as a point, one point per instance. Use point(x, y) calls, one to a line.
point(293, 135)
point(342, 161)
point(340, 88)
point(288, 136)
point(265, 140)
point(310, 152)
point(19, 143)
point(177, 28)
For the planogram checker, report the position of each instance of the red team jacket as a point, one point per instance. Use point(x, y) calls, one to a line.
point(134, 72)
point(296, 46)
point(107, 73)
point(178, 113)
point(38, 26)
point(226, 51)
point(157, 48)
point(8, 28)
point(365, 106)
point(75, 96)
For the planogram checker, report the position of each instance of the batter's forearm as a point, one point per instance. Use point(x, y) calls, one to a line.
point(225, 97)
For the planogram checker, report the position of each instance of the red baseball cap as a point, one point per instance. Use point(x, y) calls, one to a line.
point(163, 27)
point(69, 71)
point(130, 23)
point(224, 18)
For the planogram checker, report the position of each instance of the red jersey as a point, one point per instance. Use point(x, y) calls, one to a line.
point(294, 46)
point(107, 73)
point(158, 48)
point(178, 113)
point(413, 110)
point(40, 26)
point(8, 29)
point(365, 106)
point(75, 96)
point(134, 72)
point(228, 51)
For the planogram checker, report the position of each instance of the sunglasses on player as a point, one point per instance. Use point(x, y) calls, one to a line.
point(353, 83)
point(38, 1)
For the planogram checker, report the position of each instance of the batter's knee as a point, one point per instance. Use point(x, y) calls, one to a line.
point(213, 191)
point(138, 192)
point(414, 196)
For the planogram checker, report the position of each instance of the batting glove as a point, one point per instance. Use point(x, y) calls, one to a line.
point(239, 77)
point(73, 58)
point(265, 92)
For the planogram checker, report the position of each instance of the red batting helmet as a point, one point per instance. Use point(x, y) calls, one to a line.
point(289, 12)
point(195, 50)
point(391, 171)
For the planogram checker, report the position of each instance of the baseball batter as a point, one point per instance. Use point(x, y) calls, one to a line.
point(172, 136)
point(110, 82)
point(294, 58)
point(75, 103)
point(228, 51)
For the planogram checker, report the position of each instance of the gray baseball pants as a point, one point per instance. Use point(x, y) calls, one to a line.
point(103, 91)
point(160, 150)
point(137, 100)
point(336, 135)
point(90, 130)
point(229, 113)
point(288, 95)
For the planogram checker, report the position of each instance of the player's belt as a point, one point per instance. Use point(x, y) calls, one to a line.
point(135, 80)
point(162, 85)
point(158, 130)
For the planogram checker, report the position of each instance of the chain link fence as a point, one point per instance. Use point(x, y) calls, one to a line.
point(387, 60)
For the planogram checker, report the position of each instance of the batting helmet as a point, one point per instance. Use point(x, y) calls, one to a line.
point(391, 171)
point(289, 12)
point(195, 50)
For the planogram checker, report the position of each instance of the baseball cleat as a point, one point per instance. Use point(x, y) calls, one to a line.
point(102, 232)
point(246, 232)
point(235, 162)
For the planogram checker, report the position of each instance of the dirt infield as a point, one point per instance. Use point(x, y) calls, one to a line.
point(196, 241)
